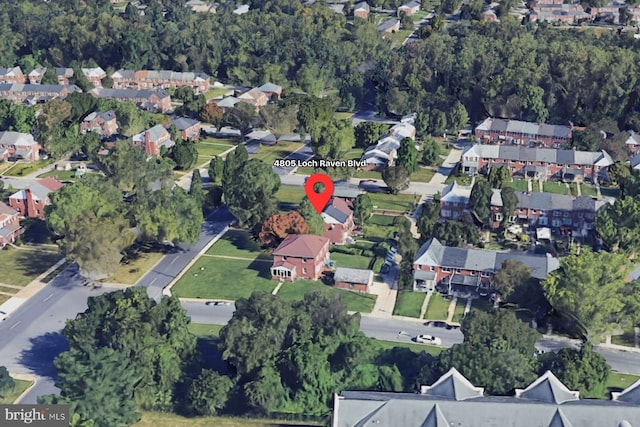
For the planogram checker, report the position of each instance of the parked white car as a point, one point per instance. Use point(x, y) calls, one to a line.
point(428, 339)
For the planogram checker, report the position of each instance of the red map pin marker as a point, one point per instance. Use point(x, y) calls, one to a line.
point(319, 200)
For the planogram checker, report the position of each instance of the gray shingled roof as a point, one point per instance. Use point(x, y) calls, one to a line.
point(529, 128)
point(15, 87)
point(453, 385)
point(336, 214)
point(353, 275)
point(128, 93)
point(548, 388)
point(548, 155)
point(346, 191)
point(182, 123)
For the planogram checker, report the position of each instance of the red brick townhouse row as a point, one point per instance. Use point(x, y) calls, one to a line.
point(467, 270)
point(18, 146)
point(33, 94)
point(154, 101)
point(506, 131)
point(535, 209)
point(538, 163)
point(161, 79)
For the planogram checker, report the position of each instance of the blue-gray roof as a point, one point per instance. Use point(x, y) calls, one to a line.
point(353, 275)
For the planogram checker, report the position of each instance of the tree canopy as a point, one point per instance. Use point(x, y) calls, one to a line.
point(396, 178)
point(617, 224)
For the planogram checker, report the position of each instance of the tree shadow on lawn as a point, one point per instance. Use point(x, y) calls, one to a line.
point(44, 349)
point(242, 240)
point(34, 262)
point(263, 268)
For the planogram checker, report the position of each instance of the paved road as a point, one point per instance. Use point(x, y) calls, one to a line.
point(173, 263)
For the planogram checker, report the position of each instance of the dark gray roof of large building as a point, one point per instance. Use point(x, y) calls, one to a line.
point(533, 154)
point(16, 87)
point(385, 409)
point(433, 253)
point(128, 93)
point(527, 128)
point(453, 385)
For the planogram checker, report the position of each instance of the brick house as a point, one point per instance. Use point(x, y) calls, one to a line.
point(300, 256)
point(154, 101)
point(9, 225)
point(338, 220)
point(18, 146)
point(64, 74)
point(33, 94)
point(271, 89)
point(36, 75)
point(104, 123)
point(94, 75)
point(254, 97)
point(409, 8)
point(633, 143)
point(162, 79)
point(31, 201)
point(470, 270)
point(152, 139)
point(12, 75)
point(554, 11)
point(189, 128)
point(361, 10)
point(353, 279)
point(505, 131)
point(558, 211)
point(538, 163)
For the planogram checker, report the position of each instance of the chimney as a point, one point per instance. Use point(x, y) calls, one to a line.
point(29, 205)
point(149, 146)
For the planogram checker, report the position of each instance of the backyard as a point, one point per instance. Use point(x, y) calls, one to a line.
point(349, 260)
point(409, 304)
point(438, 307)
point(289, 197)
point(379, 227)
point(521, 185)
point(555, 187)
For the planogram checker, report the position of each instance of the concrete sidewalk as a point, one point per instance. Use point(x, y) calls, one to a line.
point(447, 167)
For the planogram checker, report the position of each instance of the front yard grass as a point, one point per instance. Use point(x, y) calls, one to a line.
point(617, 381)
point(588, 190)
point(4, 298)
point(203, 330)
point(355, 301)
point(229, 142)
point(24, 168)
point(458, 313)
point(136, 265)
point(521, 185)
point(438, 307)
point(61, 175)
point(238, 243)
point(35, 231)
point(363, 174)
point(554, 187)
point(210, 149)
point(409, 303)
point(279, 151)
point(163, 419)
point(423, 174)
point(19, 388)
point(390, 202)
point(230, 279)
point(20, 266)
point(289, 197)
point(217, 92)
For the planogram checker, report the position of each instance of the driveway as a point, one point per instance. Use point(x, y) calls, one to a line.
point(448, 165)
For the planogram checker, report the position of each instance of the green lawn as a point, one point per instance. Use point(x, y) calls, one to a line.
point(20, 266)
point(209, 149)
point(305, 171)
point(289, 196)
point(362, 174)
point(616, 382)
point(437, 308)
point(588, 190)
point(459, 310)
point(399, 37)
point(627, 338)
point(355, 301)
point(521, 185)
point(350, 261)
point(343, 115)
point(61, 175)
point(573, 188)
point(423, 174)
point(354, 153)
point(460, 179)
point(390, 202)
point(554, 187)
point(217, 92)
point(229, 142)
point(270, 153)
point(230, 279)
point(409, 303)
point(203, 330)
point(158, 419)
point(384, 220)
point(379, 227)
point(21, 169)
point(238, 243)
point(20, 387)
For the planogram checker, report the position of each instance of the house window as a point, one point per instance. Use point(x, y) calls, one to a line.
point(304, 271)
point(457, 270)
point(473, 273)
point(284, 258)
point(557, 213)
point(304, 260)
point(485, 274)
point(566, 214)
point(589, 215)
point(446, 270)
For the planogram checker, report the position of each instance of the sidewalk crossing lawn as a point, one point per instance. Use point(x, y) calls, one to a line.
point(20, 266)
point(409, 303)
point(458, 313)
point(292, 291)
point(228, 279)
point(437, 308)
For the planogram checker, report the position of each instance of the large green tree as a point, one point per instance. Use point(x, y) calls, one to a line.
point(362, 209)
point(587, 288)
point(312, 217)
point(216, 165)
point(408, 155)
point(209, 393)
point(196, 190)
point(583, 370)
point(368, 133)
point(333, 139)
point(146, 343)
point(249, 194)
point(480, 201)
point(617, 224)
point(511, 275)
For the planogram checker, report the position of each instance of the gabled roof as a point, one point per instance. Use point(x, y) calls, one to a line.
point(13, 71)
point(548, 388)
point(560, 420)
point(389, 23)
point(337, 211)
point(353, 275)
point(96, 72)
point(411, 4)
point(453, 385)
point(634, 138)
point(40, 190)
point(548, 155)
point(253, 94)
point(363, 5)
point(51, 183)
point(454, 193)
point(270, 87)
point(229, 101)
point(436, 418)
point(525, 128)
point(182, 123)
point(301, 246)
point(102, 92)
point(16, 138)
point(50, 89)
